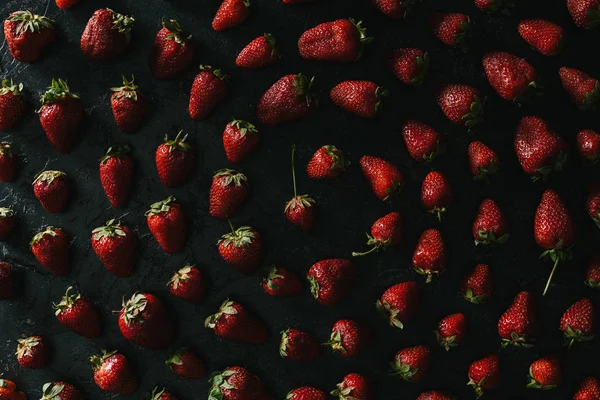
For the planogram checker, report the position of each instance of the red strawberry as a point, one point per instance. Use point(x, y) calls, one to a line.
point(128, 106)
point(509, 75)
point(585, 13)
point(113, 373)
point(451, 29)
point(281, 282)
point(306, 393)
point(186, 363)
point(300, 210)
point(174, 160)
point(354, 386)
point(490, 226)
point(519, 325)
point(484, 374)
point(297, 345)
point(482, 160)
point(144, 321)
point(288, 99)
point(240, 138)
point(160, 394)
point(166, 222)
point(208, 91)
point(234, 322)
point(8, 391)
point(8, 163)
point(115, 246)
point(12, 104)
point(51, 188)
point(8, 282)
point(435, 395)
point(258, 53)
point(593, 203)
point(544, 373)
point(242, 248)
point(172, 51)
point(451, 330)
point(339, 41)
point(327, 163)
point(589, 389)
point(188, 284)
point(7, 222)
point(396, 9)
point(588, 144)
point(51, 248)
point(60, 391)
point(494, 5)
point(229, 190)
point(236, 383)
point(477, 287)
point(553, 230)
point(400, 302)
point(412, 363)
point(78, 314)
point(27, 34)
point(363, 98)
point(583, 90)
point(436, 194)
point(64, 4)
point(422, 141)
point(331, 280)
point(106, 35)
point(578, 323)
point(231, 13)
point(32, 352)
point(592, 273)
point(429, 257)
point(60, 115)
point(116, 174)
point(385, 232)
point(410, 65)
point(542, 35)
point(349, 337)
point(539, 149)
point(461, 104)
point(384, 177)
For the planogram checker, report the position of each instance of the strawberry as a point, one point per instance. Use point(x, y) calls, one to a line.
point(396, 9)
point(60, 391)
point(258, 53)
point(242, 248)
point(159, 393)
point(588, 145)
point(494, 5)
point(116, 174)
point(553, 230)
point(186, 363)
point(8, 162)
point(327, 163)
point(509, 75)
point(435, 395)
point(539, 149)
point(78, 314)
point(113, 373)
point(544, 373)
point(542, 35)
point(235, 383)
point(385, 232)
point(64, 4)
point(429, 257)
point(331, 280)
point(589, 389)
point(452, 29)
point(400, 302)
point(363, 98)
point(144, 321)
point(166, 222)
point(451, 330)
point(12, 104)
point(306, 393)
point(229, 190)
point(585, 13)
point(354, 386)
point(337, 41)
point(578, 323)
point(593, 203)
point(128, 106)
point(8, 282)
point(7, 222)
point(592, 273)
point(174, 160)
point(384, 177)
point(240, 139)
point(288, 99)
point(300, 210)
point(208, 91)
point(32, 352)
point(188, 284)
point(231, 13)
point(490, 225)
point(60, 115)
point(27, 34)
point(410, 65)
point(281, 282)
point(51, 188)
point(172, 51)
point(583, 90)
point(422, 141)
point(8, 390)
point(412, 363)
point(461, 104)
point(484, 374)
point(436, 194)
point(234, 322)
point(51, 248)
point(115, 246)
point(482, 160)
point(519, 325)
point(106, 35)
point(296, 345)
point(478, 287)
point(349, 337)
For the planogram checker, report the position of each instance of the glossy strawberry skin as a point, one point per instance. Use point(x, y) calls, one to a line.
point(237, 383)
point(429, 257)
point(242, 249)
point(240, 139)
point(491, 5)
point(168, 226)
point(228, 191)
point(583, 90)
point(412, 363)
point(174, 160)
point(593, 203)
point(363, 98)
point(32, 352)
point(259, 53)
point(400, 302)
point(384, 177)
point(8, 163)
point(172, 52)
point(187, 363)
point(337, 41)
point(116, 175)
point(297, 345)
point(101, 41)
point(208, 91)
point(12, 105)
point(51, 188)
point(60, 120)
point(306, 393)
point(7, 222)
point(349, 337)
point(234, 322)
point(435, 395)
point(519, 325)
point(115, 246)
point(331, 280)
point(51, 249)
point(422, 141)
point(189, 284)
point(129, 107)
point(552, 223)
point(26, 43)
point(60, 391)
point(8, 281)
point(301, 212)
point(356, 386)
point(410, 65)
point(65, 4)
point(477, 287)
point(490, 225)
point(545, 373)
point(79, 315)
point(147, 325)
point(509, 75)
point(589, 389)
point(385, 232)
point(327, 163)
point(112, 373)
point(483, 161)
point(396, 9)
point(578, 323)
point(485, 374)
point(451, 330)
point(451, 28)
point(592, 272)
point(542, 35)
point(231, 13)
point(288, 99)
point(461, 104)
point(281, 282)
point(588, 145)
point(436, 193)
point(584, 12)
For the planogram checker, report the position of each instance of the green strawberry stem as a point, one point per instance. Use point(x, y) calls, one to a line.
point(231, 226)
point(358, 254)
point(551, 275)
point(294, 170)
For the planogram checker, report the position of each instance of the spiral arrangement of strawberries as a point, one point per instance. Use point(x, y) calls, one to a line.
point(196, 232)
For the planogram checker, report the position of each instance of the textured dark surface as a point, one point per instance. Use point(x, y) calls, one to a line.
point(347, 207)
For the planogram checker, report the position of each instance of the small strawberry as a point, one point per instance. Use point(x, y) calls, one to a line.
point(8, 282)
point(494, 5)
point(593, 203)
point(349, 337)
point(436, 395)
point(208, 91)
point(234, 322)
point(32, 352)
point(451, 330)
point(306, 393)
point(384, 177)
point(236, 383)
point(400, 302)
point(172, 51)
point(229, 190)
point(7, 222)
point(116, 174)
point(363, 98)
point(186, 363)
point(452, 29)
point(478, 286)
point(509, 75)
point(8, 390)
point(128, 106)
point(412, 363)
point(65, 4)
point(484, 374)
point(589, 389)
point(60, 391)
point(113, 373)
point(588, 145)
point(240, 139)
point(385, 232)
point(106, 35)
point(115, 246)
point(338, 41)
point(144, 321)
point(422, 141)
point(585, 13)
point(78, 314)
point(159, 393)
point(51, 188)
point(436, 194)
point(542, 35)
point(578, 323)
point(297, 345)
point(396, 9)
point(231, 13)
point(544, 373)
point(410, 65)
point(51, 248)
point(188, 284)
point(429, 257)
point(166, 222)
point(288, 99)
point(242, 248)
point(27, 34)
point(331, 280)
point(490, 225)
point(8, 162)
point(300, 210)
point(12, 104)
point(174, 160)
point(592, 273)
point(519, 325)
point(258, 53)
point(327, 163)
point(482, 160)
point(354, 387)
point(583, 90)
point(281, 282)
point(461, 104)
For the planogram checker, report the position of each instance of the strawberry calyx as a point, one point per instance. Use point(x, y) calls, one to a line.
point(489, 237)
point(225, 308)
point(111, 229)
point(471, 297)
point(6, 150)
point(597, 220)
point(175, 359)
point(157, 392)
point(231, 176)
point(390, 313)
point(129, 90)
point(68, 301)
point(590, 99)
point(219, 382)
point(284, 343)
point(58, 90)
point(303, 201)
point(422, 68)
point(517, 341)
point(29, 21)
point(51, 391)
point(49, 231)
point(545, 171)
point(364, 39)
point(133, 309)
point(98, 360)
point(437, 211)
point(175, 32)
point(534, 384)
point(12, 88)
point(404, 371)
point(161, 207)
point(179, 143)
point(337, 157)
point(115, 151)
point(335, 341)
point(182, 275)
point(380, 94)
point(314, 286)
point(476, 115)
point(477, 386)
point(533, 88)
point(6, 212)
point(216, 72)
point(303, 89)
point(48, 177)
point(576, 335)
point(485, 172)
point(462, 38)
point(393, 190)
point(429, 273)
point(122, 23)
point(243, 127)
point(26, 344)
point(343, 393)
point(556, 254)
point(270, 278)
point(376, 245)
point(272, 44)
point(592, 283)
point(240, 237)
point(447, 342)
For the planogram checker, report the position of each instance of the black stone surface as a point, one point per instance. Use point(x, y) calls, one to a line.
point(347, 207)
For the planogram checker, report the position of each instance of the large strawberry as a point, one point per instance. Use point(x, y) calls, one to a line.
point(483, 161)
point(544, 373)
point(106, 35)
point(436, 193)
point(300, 210)
point(484, 374)
point(258, 53)
point(593, 203)
point(585, 13)
point(231, 13)
point(7, 222)
point(236, 383)
point(144, 321)
point(354, 386)
point(228, 191)
point(542, 35)
point(461, 104)
point(115, 246)
point(339, 41)
point(51, 248)
point(189, 283)
point(490, 225)
point(8, 281)
point(288, 99)
point(384, 177)
point(327, 163)
point(429, 257)
point(8, 390)
point(174, 160)
point(509, 75)
point(280, 282)
point(452, 29)
point(128, 106)
point(60, 391)
point(113, 373)
point(12, 104)
point(167, 223)
point(186, 363)
point(451, 330)
point(519, 325)
point(410, 65)
point(385, 232)
point(297, 345)
point(412, 363)
point(241, 248)
point(32, 352)
point(78, 314)
point(349, 337)
point(583, 90)
point(27, 34)
point(51, 188)
point(400, 302)
point(477, 287)
point(306, 393)
point(116, 174)
point(363, 98)
point(589, 389)
point(234, 322)
point(331, 280)
point(396, 9)
point(172, 51)
point(240, 139)
point(208, 91)
point(588, 145)
point(422, 141)
point(578, 323)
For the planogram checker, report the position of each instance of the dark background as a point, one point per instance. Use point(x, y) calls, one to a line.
point(347, 207)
